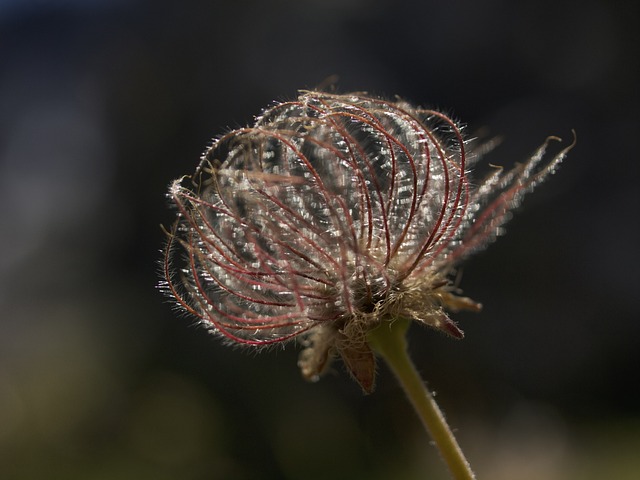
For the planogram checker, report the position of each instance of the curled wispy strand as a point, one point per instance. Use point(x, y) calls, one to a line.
point(331, 214)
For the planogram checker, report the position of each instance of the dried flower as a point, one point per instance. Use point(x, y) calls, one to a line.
point(330, 215)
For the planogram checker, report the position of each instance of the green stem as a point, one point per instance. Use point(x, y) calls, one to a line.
point(389, 341)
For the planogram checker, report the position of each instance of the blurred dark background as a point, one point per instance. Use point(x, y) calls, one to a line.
point(103, 103)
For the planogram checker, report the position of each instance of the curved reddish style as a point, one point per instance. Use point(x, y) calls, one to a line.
point(332, 214)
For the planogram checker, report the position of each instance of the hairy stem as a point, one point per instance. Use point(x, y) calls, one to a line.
point(389, 341)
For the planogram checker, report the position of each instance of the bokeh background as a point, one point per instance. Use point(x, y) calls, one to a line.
point(104, 102)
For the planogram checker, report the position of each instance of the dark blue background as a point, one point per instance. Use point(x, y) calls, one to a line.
point(103, 103)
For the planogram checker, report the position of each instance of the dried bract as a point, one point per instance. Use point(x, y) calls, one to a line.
point(330, 215)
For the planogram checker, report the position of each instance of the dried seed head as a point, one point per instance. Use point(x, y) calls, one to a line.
point(330, 215)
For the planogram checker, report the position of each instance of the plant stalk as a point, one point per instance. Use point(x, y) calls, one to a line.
point(389, 341)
